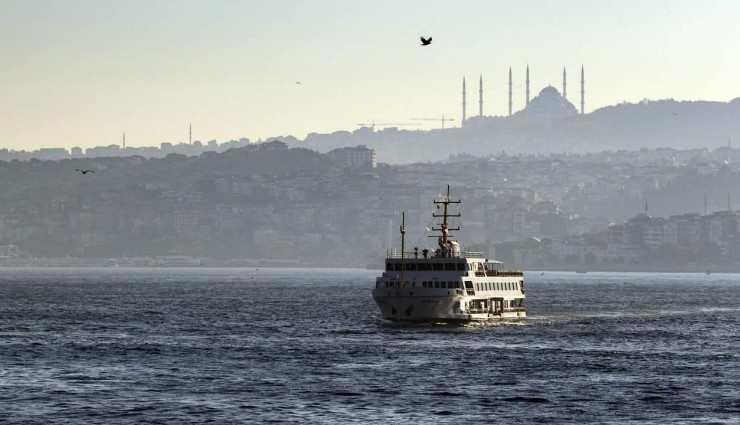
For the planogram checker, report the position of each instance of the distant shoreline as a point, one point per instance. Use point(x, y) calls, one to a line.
point(149, 262)
point(643, 268)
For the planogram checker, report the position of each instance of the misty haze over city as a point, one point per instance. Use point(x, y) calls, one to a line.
point(564, 158)
point(329, 201)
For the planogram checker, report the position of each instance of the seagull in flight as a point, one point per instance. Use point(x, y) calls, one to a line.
point(426, 41)
point(298, 82)
point(85, 171)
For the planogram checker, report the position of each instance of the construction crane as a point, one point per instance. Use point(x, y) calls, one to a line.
point(373, 124)
point(443, 119)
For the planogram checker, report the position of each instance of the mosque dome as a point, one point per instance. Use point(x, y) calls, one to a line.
point(550, 103)
point(549, 91)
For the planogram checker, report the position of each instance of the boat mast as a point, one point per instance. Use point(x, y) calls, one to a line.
point(445, 228)
point(403, 241)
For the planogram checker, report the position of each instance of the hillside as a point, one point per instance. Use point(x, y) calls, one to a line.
point(648, 124)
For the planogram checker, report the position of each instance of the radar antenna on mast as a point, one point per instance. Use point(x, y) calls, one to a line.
point(444, 240)
point(403, 241)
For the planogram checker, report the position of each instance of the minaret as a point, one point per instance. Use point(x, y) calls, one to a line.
point(583, 92)
point(190, 137)
point(729, 204)
point(527, 85)
point(463, 105)
point(509, 91)
point(480, 96)
point(565, 96)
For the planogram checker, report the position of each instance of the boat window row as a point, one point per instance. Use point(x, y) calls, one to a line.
point(424, 266)
point(497, 286)
point(439, 284)
point(424, 284)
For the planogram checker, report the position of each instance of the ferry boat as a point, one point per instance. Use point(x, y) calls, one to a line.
point(447, 284)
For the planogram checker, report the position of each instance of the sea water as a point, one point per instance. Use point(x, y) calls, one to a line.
point(253, 345)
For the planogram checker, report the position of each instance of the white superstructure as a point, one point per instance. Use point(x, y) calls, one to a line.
point(447, 284)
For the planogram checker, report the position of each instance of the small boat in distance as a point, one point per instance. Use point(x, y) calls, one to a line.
point(447, 284)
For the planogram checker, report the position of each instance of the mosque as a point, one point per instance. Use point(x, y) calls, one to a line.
point(549, 103)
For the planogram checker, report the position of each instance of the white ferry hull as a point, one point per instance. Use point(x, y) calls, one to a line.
point(400, 308)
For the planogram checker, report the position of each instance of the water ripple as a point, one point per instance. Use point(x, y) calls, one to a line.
point(307, 346)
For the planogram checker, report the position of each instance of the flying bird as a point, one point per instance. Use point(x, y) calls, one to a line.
point(85, 171)
point(298, 82)
point(426, 41)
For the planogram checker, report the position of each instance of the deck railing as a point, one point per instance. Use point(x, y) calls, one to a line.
point(414, 255)
point(505, 273)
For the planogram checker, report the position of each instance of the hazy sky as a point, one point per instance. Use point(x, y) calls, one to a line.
point(81, 72)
